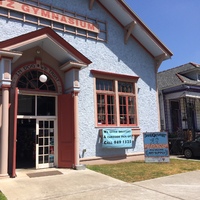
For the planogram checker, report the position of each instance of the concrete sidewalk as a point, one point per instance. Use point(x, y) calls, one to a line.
point(87, 184)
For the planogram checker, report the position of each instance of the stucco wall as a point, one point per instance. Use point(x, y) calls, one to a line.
point(113, 56)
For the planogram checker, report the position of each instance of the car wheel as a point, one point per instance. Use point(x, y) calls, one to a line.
point(188, 153)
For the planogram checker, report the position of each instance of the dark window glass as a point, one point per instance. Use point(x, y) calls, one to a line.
point(26, 105)
point(125, 87)
point(106, 85)
point(105, 109)
point(45, 106)
point(30, 80)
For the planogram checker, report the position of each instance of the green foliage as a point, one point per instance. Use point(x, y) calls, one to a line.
point(139, 171)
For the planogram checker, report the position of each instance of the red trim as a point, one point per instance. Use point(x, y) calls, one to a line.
point(53, 35)
point(127, 114)
point(194, 64)
point(113, 75)
point(179, 76)
point(13, 173)
point(65, 130)
point(105, 105)
point(5, 86)
point(7, 57)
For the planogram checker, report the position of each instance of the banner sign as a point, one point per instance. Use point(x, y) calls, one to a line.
point(156, 147)
point(49, 15)
point(117, 138)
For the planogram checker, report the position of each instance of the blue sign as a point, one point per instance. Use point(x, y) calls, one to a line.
point(156, 147)
point(155, 138)
point(157, 152)
point(117, 138)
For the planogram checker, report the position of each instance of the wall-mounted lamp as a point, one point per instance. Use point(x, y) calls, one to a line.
point(43, 78)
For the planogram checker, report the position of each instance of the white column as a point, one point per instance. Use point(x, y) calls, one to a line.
point(4, 133)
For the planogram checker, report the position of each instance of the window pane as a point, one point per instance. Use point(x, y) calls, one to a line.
point(122, 108)
point(110, 109)
point(131, 105)
point(127, 110)
point(125, 87)
point(102, 84)
point(132, 119)
point(101, 109)
point(26, 105)
point(131, 110)
point(45, 106)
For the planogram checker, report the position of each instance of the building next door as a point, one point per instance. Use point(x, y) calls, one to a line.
point(36, 131)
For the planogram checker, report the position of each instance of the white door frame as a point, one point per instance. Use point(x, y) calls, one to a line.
point(45, 134)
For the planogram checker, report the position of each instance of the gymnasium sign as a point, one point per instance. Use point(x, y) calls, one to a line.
point(117, 138)
point(156, 148)
point(49, 15)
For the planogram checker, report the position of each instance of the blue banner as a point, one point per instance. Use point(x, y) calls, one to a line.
point(117, 138)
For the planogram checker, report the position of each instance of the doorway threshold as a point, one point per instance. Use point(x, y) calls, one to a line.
point(21, 173)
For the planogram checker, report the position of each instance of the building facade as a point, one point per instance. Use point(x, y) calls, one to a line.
point(70, 71)
point(179, 103)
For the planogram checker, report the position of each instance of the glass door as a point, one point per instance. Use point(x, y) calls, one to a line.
point(45, 143)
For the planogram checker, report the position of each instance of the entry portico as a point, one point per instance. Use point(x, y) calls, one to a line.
point(27, 57)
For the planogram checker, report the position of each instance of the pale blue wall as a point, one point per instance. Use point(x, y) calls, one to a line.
point(113, 56)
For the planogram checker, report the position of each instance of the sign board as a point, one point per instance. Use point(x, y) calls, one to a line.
point(49, 15)
point(117, 138)
point(156, 148)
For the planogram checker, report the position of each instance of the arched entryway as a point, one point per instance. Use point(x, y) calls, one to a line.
point(36, 119)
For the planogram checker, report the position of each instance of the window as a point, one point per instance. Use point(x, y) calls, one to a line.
point(127, 108)
point(30, 80)
point(36, 105)
point(115, 101)
point(105, 102)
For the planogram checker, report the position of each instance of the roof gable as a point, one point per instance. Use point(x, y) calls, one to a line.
point(126, 17)
point(49, 41)
point(177, 76)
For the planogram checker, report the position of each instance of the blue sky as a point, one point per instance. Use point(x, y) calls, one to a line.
point(177, 25)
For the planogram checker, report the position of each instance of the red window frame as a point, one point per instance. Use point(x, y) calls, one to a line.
point(106, 114)
point(126, 90)
point(127, 103)
point(127, 111)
